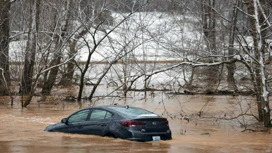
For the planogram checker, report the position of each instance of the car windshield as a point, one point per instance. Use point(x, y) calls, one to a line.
point(133, 112)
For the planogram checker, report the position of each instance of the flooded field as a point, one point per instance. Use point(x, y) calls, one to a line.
point(198, 124)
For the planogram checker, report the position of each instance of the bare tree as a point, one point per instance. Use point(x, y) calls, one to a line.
point(89, 14)
point(209, 31)
point(93, 46)
point(61, 21)
point(31, 48)
point(4, 46)
point(255, 11)
point(231, 52)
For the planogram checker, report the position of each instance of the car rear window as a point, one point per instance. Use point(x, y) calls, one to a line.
point(133, 112)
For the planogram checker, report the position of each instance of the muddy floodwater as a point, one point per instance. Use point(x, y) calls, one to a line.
point(199, 124)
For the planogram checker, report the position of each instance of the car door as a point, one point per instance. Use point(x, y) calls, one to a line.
point(77, 122)
point(99, 121)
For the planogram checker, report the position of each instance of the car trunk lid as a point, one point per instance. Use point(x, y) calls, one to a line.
point(148, 124)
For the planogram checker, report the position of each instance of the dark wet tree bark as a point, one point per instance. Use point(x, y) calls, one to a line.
point(231, 67)
point(31, 47)
point(26, 84)
point(51, 79)
point(85, 69)
point(67, 77)
point(209, 23)
point(59, 39)
point(209, 31)
point(4, 47)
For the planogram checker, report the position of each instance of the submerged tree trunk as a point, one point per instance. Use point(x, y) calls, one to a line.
point(4, 47)
point(49, 83)
point(67, 77)
point(31, 47)
point(59, 43)
point(26, 84)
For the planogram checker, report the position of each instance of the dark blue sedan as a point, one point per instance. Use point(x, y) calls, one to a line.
point(123, 122)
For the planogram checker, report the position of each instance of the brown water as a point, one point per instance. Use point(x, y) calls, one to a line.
point(21, 130)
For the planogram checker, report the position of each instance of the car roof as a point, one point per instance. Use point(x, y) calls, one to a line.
point(121, 112)
point(108, 107)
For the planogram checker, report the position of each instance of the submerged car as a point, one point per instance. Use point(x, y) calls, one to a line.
point(123, 122)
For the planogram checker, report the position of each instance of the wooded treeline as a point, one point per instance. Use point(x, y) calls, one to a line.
point(212, 40)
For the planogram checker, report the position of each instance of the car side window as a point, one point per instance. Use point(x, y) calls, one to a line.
point(98, 114)
point(79, 116)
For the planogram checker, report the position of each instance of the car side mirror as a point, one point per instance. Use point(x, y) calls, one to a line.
point(64, 120)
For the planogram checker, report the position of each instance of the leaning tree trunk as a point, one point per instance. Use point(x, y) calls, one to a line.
point(67, 77)
point(31, 47)
point(59, 38)
point(4, 47)
point(49, 83)
point(26, 84)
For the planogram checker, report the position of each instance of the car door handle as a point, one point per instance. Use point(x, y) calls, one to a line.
point(103, 125)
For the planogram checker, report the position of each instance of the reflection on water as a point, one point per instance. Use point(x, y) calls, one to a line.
point(194, 120)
